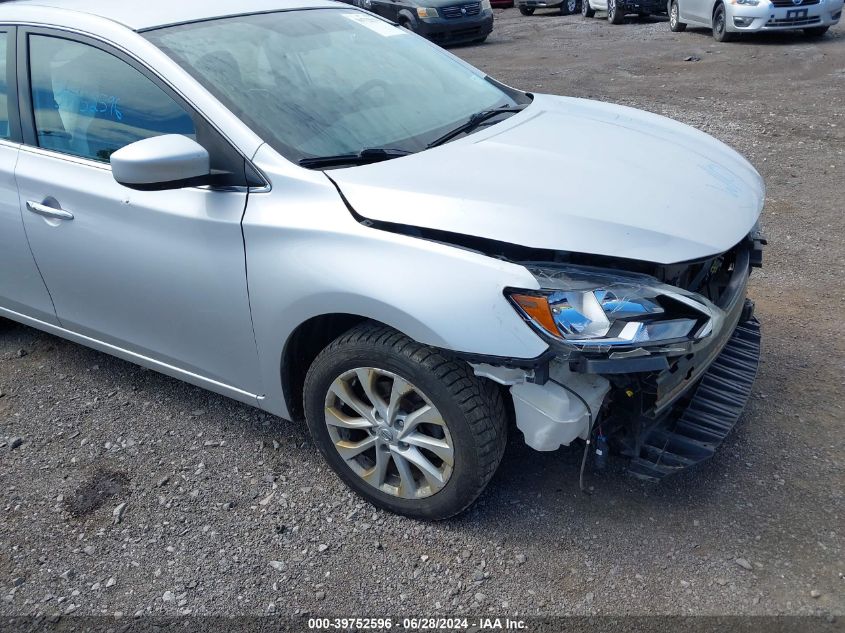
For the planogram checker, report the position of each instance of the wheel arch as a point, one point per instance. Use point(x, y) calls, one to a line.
point(316, 332)
point(303, 345)
point(405, 14)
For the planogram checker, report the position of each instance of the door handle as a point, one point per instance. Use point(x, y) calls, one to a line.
point(48, 212)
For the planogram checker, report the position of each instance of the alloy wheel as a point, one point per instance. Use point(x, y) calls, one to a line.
point(389, 433)
point(673, 15)
point(571, 6)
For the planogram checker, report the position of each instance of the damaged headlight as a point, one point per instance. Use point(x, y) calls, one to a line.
point(597, 310)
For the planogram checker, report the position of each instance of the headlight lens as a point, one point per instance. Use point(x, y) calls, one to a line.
point(596, 309)
point(485, 4)
point(748, 3)
point(424, 12)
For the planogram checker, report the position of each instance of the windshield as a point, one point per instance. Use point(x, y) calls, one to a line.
point(325, 82)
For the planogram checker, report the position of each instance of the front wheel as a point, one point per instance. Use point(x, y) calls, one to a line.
point(568, 7)
point(816, 31)
point(720, 25)
point(403, 426)
point(586, 10)
point(526, 10)
point(615, 14)
point(675, 24)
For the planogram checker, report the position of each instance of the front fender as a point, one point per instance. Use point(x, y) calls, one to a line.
point(307, 256)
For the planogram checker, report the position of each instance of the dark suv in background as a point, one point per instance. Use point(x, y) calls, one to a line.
point(444, 22)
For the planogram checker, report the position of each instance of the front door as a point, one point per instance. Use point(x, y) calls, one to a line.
point(21, 288)
point(158, 273)
point(700, 11)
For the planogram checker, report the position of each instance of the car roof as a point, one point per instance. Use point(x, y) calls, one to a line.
point(150, 14)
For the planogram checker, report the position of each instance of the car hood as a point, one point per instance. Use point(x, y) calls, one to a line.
point(572, 175)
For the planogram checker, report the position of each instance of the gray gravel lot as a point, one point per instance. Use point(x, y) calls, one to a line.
point(231, 511)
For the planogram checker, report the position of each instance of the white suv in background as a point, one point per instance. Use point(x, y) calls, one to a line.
point(728, 18)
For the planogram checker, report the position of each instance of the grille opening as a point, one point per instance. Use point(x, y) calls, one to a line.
point(460, 10)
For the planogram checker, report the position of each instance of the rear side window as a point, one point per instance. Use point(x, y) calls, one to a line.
point(89, 103)
point(4, 92)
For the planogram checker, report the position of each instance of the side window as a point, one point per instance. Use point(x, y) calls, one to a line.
point(4, 101)
point(89, 103)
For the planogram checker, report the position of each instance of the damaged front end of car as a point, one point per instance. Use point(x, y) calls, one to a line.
point(656, 360)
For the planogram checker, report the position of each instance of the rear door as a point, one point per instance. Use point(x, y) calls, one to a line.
point(158, 273)
point(699, 11)
point(386, 8)
point(21, 288)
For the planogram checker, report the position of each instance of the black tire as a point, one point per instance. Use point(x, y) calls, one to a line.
point(569, 7)
point(816, 31)
point(480, 40)
point(586, 10)
point(405, 23)
point(675, 24)
point(720, 25)
point(526, 10)
point(615, 15)
point(472, 408)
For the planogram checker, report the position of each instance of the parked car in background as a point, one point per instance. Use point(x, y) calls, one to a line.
point(729, 19)
point(566, 7)
point(444, 22)
point(618, 9)
point(501, 4)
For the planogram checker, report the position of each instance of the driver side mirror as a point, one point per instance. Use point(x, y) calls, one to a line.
point(171, 161)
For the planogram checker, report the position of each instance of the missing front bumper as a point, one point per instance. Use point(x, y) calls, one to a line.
point(666, 407)
point(569, 405)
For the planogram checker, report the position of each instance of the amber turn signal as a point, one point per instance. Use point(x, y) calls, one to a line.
point(538, 309)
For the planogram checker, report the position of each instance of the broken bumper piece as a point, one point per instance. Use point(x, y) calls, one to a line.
point(564, 408)
point(555, 411)
point(692, 430)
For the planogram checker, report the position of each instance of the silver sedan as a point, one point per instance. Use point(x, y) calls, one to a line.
point(297, 204)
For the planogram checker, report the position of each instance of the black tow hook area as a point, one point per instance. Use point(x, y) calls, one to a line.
point(747, 311)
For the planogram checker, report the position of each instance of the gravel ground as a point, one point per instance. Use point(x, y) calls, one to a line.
point(128, 492)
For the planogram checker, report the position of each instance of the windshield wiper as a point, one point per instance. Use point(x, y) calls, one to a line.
point(364, 157)
point(473, 122)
